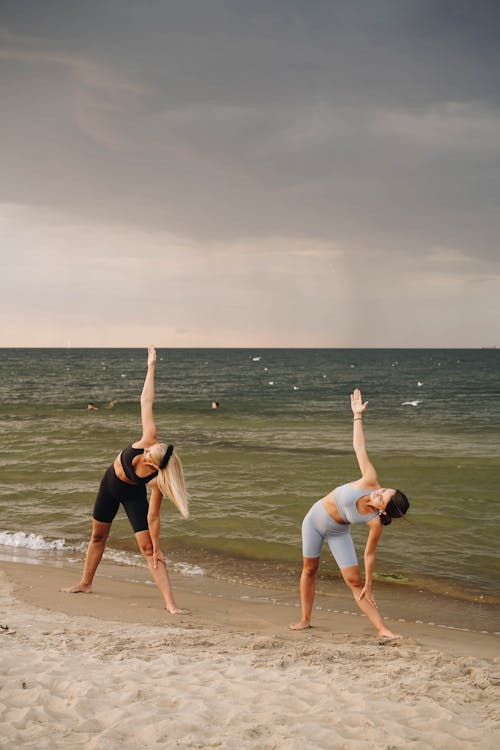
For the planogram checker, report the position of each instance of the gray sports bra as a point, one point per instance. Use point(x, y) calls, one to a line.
point(346, 496)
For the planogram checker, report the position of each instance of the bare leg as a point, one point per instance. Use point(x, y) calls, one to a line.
point(307, 592)
point(159, 574)
point(353, 579)
point(95, 551)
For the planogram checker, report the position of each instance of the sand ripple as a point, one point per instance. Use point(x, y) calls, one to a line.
point(78, 682)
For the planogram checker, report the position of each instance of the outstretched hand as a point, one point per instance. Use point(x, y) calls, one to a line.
point(357, 404)
point(151, 355)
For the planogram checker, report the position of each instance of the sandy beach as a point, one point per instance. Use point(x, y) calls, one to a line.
point(113, 670)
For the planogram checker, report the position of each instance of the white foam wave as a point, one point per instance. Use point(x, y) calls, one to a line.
point(123, 558)
point(188, 569)
point(133, 559)
point(31, 541)
point(21, 540)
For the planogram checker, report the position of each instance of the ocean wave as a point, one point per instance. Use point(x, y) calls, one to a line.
point(32, 541)
point(134, 559)
point(21, 540)
point(188, 569)
point(121, 557)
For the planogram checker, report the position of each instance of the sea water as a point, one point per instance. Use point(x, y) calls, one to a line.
point(280, 439)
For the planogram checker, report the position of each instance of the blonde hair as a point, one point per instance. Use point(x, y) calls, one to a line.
point(170, 480)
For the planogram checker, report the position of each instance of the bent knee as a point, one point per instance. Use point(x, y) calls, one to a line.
point(352, 578)
point(146, 548)
point(310, 566)
point(99, 537)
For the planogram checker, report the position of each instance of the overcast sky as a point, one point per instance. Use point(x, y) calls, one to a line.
point(250, 173)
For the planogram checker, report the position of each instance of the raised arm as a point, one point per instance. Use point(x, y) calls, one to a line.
point(149, 435)
point(366, 467)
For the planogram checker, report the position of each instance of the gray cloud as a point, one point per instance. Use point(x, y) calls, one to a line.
point(369, 128)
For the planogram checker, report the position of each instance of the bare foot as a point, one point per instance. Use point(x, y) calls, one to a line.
point(177, 611)
point(386, 636)
point(388, 641)
point(300, 626)
point(80, 588)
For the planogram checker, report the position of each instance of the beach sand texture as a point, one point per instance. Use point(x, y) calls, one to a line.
point(112, 670)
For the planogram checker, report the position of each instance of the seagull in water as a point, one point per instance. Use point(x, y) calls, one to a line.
point(411, 403)
point(419, 383)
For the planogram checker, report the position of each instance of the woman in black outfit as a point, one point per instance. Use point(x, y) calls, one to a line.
point(146, 462)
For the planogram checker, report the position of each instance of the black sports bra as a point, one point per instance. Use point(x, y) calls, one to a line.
point(126, 457)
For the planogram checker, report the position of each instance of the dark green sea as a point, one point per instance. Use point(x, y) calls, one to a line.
point(280, 440)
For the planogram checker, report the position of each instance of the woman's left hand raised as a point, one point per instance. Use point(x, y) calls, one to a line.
point(357, 404)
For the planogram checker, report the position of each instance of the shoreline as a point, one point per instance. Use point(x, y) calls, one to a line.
point(224, 604)
point(440, 603)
